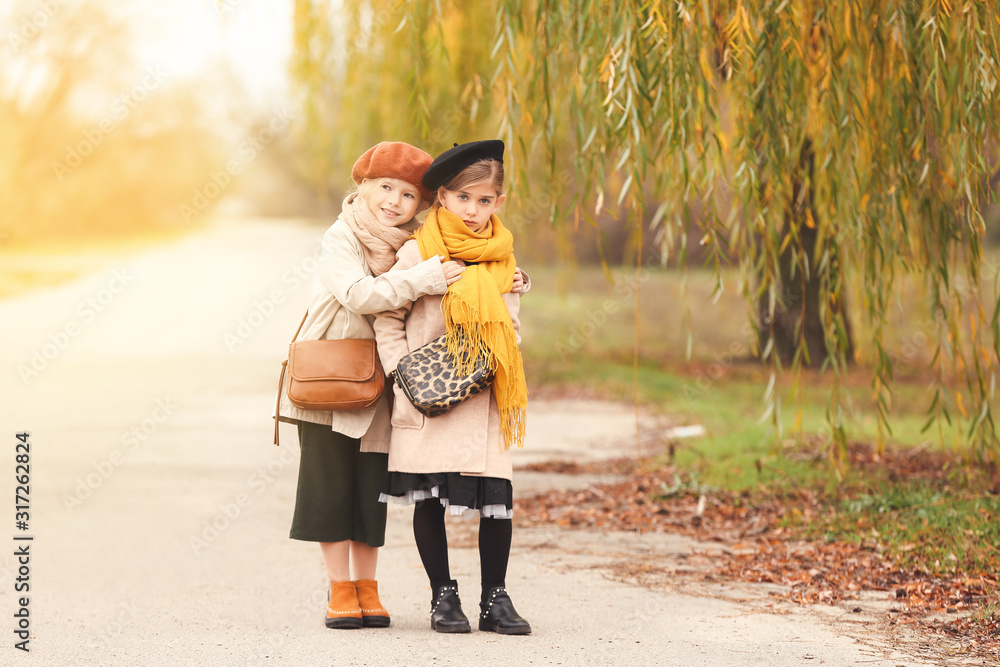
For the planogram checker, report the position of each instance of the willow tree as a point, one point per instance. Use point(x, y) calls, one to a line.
point(857, 137)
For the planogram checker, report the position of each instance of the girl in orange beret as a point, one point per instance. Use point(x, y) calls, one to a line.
point(344, 453)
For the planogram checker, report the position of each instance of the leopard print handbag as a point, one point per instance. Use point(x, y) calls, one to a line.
point(430, 380)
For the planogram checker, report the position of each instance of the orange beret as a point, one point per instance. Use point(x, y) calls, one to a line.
point(394, 159)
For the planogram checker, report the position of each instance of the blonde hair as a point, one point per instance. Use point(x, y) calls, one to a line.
point(367, 187)
point(490, 171)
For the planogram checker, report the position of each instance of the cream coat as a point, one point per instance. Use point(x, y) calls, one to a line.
point(345, 297)
point(467, 439)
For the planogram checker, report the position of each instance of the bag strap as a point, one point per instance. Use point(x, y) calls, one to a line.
point(277, 401)
point(304, 317)
point(281, 380)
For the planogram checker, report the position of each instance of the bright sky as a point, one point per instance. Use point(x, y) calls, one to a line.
point(188, 36)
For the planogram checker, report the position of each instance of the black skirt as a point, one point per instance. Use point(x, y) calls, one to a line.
point(337, 494)
point(491, 497)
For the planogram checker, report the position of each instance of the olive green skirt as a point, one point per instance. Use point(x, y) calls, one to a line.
point(338, 489)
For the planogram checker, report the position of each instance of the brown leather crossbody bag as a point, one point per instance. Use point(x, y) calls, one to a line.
point(330, 375)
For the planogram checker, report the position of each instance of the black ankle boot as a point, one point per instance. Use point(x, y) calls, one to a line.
point(498, 615)
point(446, 610)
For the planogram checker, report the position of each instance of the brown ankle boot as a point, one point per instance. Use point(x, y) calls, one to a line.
point(343, 611)
point(373, 613)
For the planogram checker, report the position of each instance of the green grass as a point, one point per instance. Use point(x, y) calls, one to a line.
point(580, 335)
point(987, 614)
point(579, 332)
point(938, 530)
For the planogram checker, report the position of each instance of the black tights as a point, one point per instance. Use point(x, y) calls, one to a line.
point(432, 543)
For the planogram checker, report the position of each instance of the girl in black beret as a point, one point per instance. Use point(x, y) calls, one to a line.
point(460, 461)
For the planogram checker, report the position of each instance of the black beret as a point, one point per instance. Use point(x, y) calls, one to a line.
point(454, 160)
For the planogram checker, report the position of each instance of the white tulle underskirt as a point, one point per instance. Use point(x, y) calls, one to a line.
point(498, 511)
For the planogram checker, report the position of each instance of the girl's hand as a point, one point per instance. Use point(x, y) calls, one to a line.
point(518, 280)
point(452, 271)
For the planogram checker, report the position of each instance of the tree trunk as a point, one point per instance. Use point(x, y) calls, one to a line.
point(801, 294)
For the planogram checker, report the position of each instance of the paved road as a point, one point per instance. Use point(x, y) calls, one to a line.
point(160, 510)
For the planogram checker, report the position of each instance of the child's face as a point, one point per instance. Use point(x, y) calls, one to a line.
point(474, 204)
point(394, 202)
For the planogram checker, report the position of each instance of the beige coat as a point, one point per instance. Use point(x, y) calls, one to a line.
point(345, 297)
point(465, 440)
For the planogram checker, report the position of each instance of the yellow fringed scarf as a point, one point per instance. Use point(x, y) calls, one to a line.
point(475, 314)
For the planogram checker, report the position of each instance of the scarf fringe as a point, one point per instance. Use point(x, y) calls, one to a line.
point(467, 344)
point(513, 422)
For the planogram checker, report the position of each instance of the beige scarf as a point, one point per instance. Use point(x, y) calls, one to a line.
point(379, 242)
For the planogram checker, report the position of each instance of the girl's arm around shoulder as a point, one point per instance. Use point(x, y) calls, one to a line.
point(390, 332)
point(525, 281)
point(342, 271)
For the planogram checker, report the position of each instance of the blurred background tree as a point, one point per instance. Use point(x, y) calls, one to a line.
point(825, 147)
point(101, 140)
point(92, 144)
